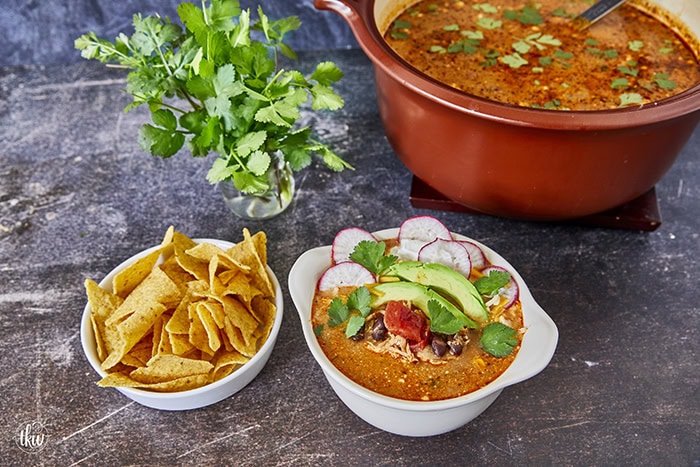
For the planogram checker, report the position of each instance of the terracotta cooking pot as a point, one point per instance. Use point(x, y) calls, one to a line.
point(513, 161)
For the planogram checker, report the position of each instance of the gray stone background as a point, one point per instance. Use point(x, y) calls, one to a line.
point(41, 32)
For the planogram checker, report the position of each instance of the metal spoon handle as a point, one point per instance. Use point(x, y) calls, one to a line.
point(596, 12)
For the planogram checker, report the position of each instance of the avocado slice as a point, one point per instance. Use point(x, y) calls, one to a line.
point(446, 281)
point(419, 296)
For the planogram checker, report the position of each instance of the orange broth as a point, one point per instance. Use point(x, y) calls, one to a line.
point(531, 54)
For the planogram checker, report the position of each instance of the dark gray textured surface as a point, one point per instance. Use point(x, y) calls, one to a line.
point(42, 32)
point(77, 196)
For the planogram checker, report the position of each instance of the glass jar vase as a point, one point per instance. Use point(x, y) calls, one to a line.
point(265, 205)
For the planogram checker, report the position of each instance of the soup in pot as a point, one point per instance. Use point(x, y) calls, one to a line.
point(533, 54)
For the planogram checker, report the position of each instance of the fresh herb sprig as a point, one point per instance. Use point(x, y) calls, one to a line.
point(490, 284)
point(372, 256)
point(499, 340)
point(339, 312)
point(216, 86)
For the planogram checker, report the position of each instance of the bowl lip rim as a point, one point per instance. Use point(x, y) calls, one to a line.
point(404, 74)
point(87, 337)
point(534, 311)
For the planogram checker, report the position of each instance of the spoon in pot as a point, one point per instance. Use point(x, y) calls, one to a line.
point(596, 12)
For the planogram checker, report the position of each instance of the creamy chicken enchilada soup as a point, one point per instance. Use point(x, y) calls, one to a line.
point(533, 54)
point(420, 317)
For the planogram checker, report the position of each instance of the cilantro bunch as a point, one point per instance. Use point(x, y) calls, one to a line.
point(216, 86)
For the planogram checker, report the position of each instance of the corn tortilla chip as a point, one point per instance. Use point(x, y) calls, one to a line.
point(199, 337)
point(209, 323)
point(181, 384)
point(179, 322)
point(102, 305)
point(163, 368)
point(226, 363)
point(247, 253)
point(265, 311)
point(156, 287)
point(126, 280)
point(132, 329)
point(180, 343)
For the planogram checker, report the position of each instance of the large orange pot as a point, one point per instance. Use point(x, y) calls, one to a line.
point(519, 162)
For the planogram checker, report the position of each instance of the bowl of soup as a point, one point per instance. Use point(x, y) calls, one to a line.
point(508, 108)
point(415, 386)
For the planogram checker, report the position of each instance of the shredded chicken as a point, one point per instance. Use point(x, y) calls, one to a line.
point(394, 345)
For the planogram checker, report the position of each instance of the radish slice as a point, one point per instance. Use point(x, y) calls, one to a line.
point(345, 242)
point(475, 254)
point(345, 275)
point(425, 228)
point(511, 292)
point(408, 249)
point(448, 253)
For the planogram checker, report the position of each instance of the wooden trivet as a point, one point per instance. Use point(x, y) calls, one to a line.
point(641, 213)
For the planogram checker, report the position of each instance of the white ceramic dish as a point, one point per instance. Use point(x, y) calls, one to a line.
point(194, 398)
point(411, 418)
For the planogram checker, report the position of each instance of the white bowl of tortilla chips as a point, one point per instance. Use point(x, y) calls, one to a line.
point(184, 324)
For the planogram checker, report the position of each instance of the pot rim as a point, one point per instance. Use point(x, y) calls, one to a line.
point(359, 14)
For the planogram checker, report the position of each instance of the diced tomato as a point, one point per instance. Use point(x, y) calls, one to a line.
point(401, 320)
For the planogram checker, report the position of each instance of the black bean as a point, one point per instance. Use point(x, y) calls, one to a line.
point(455, 347)
point(438, 345)
point(379, 329)
point(359, 335)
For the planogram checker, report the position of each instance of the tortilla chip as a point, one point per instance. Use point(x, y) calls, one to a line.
point(246, 252)
point(161, 339)
point(156, 287)
point(180, 343)
point(216, 310)
point(126, 280)
point(181, 384)
point(265, 311)
point(175, 272)
point(204, 251)
point(209, 323)
point(102, 305)
point(179, 322)
point(226, 363)
point(163, 368)
point(235, 337)
point(132, 329)
point(199, 337)
point(139, 353)
point(239, 286)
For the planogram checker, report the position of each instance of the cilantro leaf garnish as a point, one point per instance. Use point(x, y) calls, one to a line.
point(340, 312)
point(491, 284)
point(662, 80)
point(498, 340)
point(526, 15)
point(371, 255)
point(630, 98)
point(359, 300)
point(355, 323)
point(441, 320)
point(514, 60)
